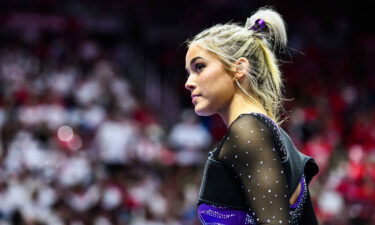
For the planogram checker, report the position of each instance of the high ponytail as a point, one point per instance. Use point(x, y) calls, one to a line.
point(274, 32)
point(263, 34)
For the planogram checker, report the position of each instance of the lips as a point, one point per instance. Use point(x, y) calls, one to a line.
point(194, 98)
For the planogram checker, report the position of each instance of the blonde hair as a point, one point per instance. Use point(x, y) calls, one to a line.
point(229, 42)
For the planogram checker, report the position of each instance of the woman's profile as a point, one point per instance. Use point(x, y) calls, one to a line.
point(255, 175)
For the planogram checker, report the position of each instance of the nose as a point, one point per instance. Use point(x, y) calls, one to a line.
point(190, 83)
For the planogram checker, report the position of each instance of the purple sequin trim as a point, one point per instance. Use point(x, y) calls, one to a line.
point(211, 214)
point(300, 195)
point(219, 215)
point(273, 126)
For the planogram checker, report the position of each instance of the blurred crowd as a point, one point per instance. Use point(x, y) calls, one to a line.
point(94, 125)
point(79, 148)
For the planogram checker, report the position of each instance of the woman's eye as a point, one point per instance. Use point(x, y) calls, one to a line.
point(199, 66)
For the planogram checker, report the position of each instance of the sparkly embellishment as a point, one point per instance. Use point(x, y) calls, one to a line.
point(297, 208)
point(272, 125)
point(249, 220)
point(209, 213)
point(280, 149)
point(216, 213)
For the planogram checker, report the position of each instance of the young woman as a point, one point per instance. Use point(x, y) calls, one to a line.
point(255, 175)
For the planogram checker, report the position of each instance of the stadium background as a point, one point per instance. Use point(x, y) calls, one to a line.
point(96, 126)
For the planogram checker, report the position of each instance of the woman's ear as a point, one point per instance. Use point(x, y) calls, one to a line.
point(242, 68)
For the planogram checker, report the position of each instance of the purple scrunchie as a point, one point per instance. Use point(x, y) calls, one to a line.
point(259, 25)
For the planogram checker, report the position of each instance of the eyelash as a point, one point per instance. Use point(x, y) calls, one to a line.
point(199, 66)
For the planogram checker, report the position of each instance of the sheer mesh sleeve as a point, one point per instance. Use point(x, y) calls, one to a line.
point(249, 150)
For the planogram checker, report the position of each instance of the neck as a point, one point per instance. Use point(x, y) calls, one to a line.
point(240, 104)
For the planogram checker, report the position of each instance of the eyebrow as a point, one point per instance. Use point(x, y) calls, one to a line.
point(193, 61)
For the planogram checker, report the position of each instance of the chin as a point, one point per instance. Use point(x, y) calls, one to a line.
point(200, 111)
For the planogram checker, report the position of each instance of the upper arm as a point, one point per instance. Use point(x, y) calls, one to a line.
point(249, 151)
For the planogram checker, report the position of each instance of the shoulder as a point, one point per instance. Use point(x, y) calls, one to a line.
point(250, 141)
point(247, 131)
point(254, 131)
point(255, 118)
point(252, 123)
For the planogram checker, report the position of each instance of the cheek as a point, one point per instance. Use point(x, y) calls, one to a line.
point(219, 90)
point(224, 92)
